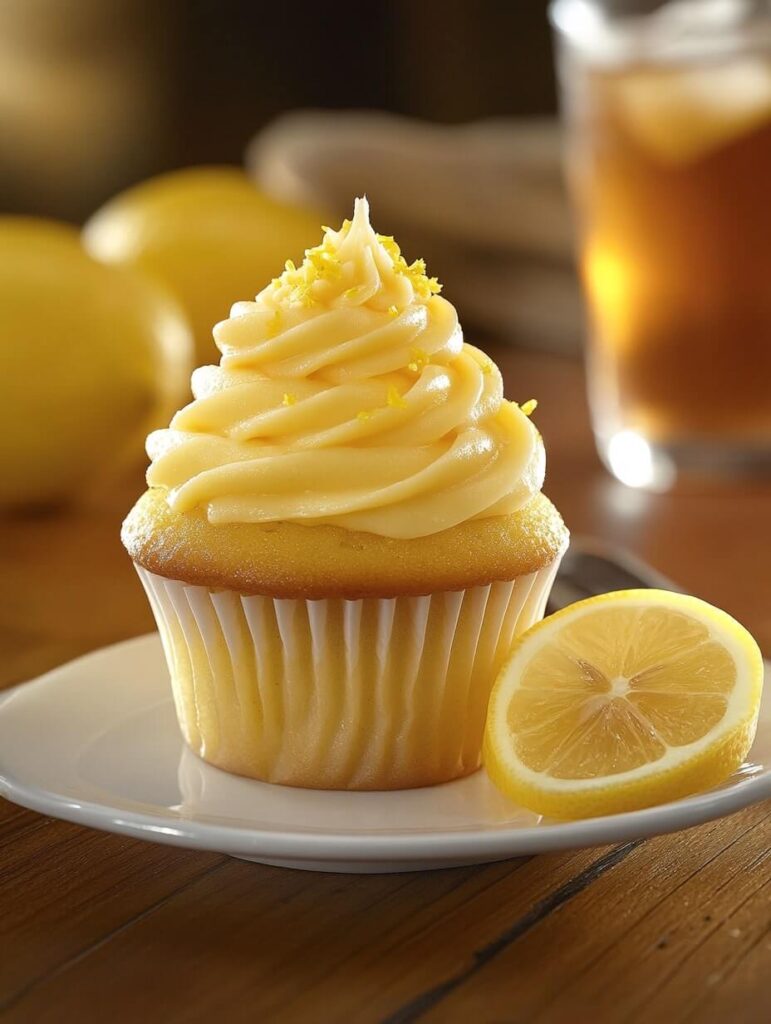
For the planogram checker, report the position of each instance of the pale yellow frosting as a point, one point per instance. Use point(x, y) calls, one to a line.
point(346, 395)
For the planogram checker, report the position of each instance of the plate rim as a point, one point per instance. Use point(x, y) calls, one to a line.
point(318, 845)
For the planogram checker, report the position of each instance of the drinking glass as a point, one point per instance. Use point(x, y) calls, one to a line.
point(668, 154)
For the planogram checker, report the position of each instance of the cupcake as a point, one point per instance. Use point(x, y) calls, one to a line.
point(344, 531)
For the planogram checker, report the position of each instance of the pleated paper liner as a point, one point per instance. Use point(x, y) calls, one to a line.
point(337, 694)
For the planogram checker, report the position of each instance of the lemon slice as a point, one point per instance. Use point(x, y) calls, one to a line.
point(623, 701)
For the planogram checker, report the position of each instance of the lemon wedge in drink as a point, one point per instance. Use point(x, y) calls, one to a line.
point(685, 114)
point(621, 702)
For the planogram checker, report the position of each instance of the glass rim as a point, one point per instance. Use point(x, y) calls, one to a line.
point(620, 36)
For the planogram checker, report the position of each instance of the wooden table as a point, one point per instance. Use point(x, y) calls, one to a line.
point(97, 927)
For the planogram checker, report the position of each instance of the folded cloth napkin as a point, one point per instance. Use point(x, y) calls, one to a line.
point(484, 203)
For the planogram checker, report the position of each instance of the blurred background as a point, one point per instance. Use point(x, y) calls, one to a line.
point(119, 90)
point(198, 144)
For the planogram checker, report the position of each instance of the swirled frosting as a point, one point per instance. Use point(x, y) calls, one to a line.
point(346, 395)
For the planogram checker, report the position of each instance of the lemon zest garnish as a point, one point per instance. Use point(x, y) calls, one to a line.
point(395, 399)
point(289, 398)
point(274, 324)
point(323, 259)
point(418, 359)
point(485, 364)
point(424, 286)
point(302, 289)
point(322, 263)
point(529, 407)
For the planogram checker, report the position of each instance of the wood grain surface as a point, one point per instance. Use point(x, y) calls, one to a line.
point(97, 927)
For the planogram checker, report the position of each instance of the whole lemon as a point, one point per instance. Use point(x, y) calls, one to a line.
point(208, 233)
point(91, 357)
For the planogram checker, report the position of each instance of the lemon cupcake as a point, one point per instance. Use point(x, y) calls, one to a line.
point(345, 530)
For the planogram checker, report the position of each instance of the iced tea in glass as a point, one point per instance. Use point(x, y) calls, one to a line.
point(669, 162)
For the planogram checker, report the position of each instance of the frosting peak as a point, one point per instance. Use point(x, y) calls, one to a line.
point(346, 395)
point(352, 267)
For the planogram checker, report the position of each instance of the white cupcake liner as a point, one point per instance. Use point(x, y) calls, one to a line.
point(337, 694)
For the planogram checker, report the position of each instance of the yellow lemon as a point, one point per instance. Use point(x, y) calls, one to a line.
point(623, 701)
point(209, 234)
point(91, 357)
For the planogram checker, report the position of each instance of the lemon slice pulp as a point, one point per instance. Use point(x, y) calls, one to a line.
point(623, 701)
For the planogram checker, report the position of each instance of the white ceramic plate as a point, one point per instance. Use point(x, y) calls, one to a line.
point(96, 742)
